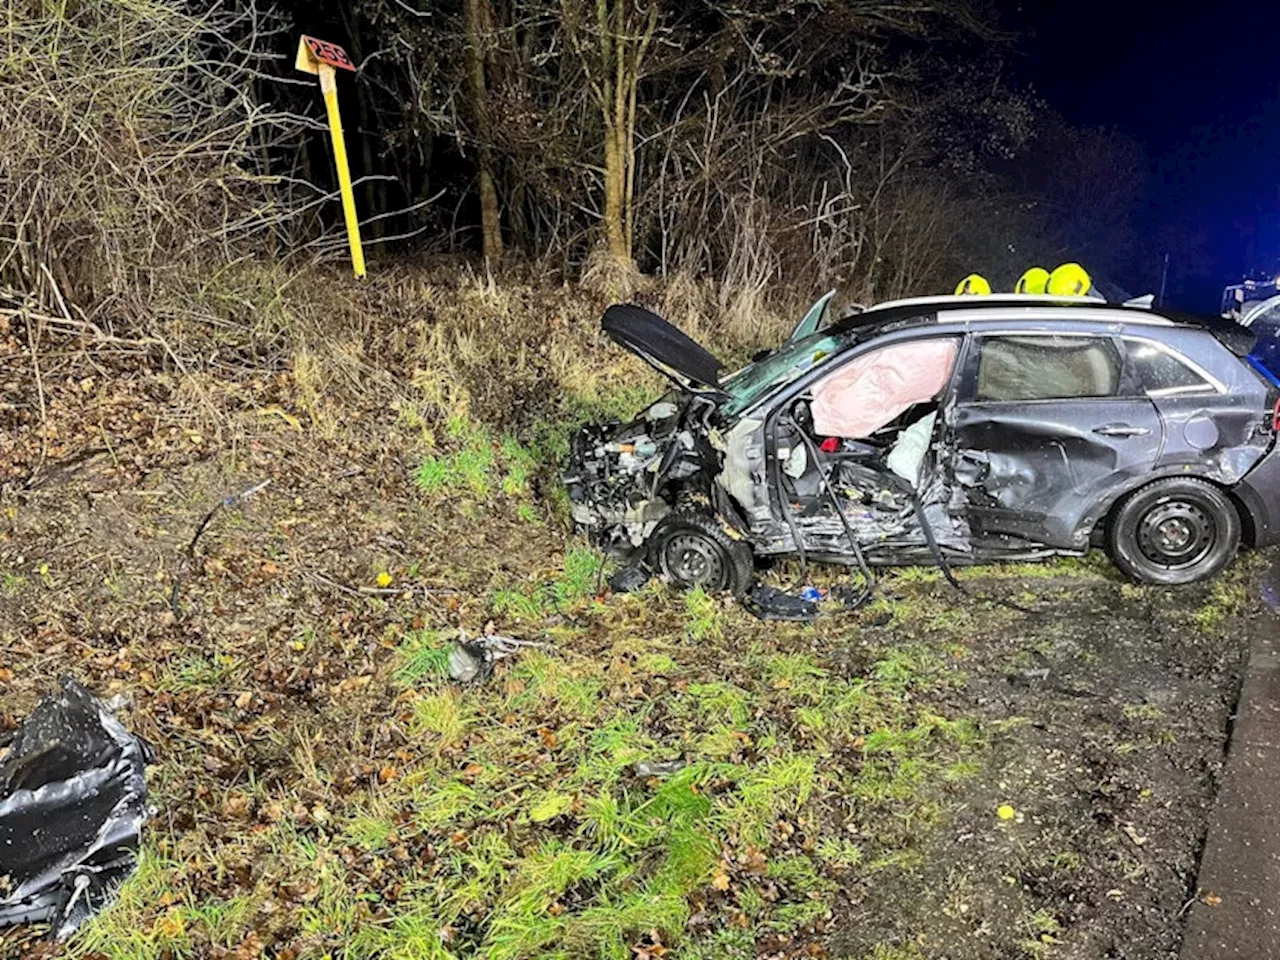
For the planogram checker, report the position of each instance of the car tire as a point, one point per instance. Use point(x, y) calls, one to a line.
point(1174, 531)
point(694, 550)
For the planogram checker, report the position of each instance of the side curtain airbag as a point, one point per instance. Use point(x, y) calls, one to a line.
point(870, 391)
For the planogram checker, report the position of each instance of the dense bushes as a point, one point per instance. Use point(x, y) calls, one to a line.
point(771, 148)
point(130, 145)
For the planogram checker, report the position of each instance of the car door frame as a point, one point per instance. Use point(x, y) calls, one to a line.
point(804, 384)
point(964, 385)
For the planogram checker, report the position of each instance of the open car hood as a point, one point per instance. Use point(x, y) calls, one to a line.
point(665, 348)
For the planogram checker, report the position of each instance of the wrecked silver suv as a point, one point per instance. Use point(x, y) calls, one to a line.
point(946, 430)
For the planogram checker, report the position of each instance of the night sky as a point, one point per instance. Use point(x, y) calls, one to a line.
point(1199, 86)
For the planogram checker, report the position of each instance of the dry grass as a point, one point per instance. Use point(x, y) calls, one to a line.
point(512, 355)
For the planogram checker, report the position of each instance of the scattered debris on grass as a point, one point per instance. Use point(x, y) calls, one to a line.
point(471, 661)
point(189, 554)
point(659, 768)
point(770, 603)
point(630, 578)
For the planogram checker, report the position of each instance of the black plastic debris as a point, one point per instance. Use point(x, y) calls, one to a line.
point(770, 603)
point(630, 578)
point(73, 799)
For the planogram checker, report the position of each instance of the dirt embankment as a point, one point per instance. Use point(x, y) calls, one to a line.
point(935, 776)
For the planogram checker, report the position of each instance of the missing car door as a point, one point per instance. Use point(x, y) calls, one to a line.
point(854, 448)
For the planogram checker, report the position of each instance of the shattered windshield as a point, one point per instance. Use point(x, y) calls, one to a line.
point(755, 380)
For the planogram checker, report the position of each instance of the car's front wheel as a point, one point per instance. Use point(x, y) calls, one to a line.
point(1174, 531)
point(693, 550)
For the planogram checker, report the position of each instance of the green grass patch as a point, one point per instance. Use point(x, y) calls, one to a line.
point(575, 806)
point(478, 467)
point(423, 655)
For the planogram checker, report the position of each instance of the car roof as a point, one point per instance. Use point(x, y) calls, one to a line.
point(1134, 310)
point(1009, 299)
point(1036, 309)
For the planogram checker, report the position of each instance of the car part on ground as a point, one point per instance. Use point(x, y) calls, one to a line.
point(472, 661)
point(73, 800)
point(770, 603)
point(630, 578)
point(659, 768)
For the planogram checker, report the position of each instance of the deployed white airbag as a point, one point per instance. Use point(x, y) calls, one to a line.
point(909, 450)
point(870, 391)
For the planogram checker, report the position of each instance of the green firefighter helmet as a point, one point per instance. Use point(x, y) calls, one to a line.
point(973, 285)
point(1035, 280)
point(1069, 280)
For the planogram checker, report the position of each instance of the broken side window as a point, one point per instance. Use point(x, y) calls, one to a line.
point(1021, 368)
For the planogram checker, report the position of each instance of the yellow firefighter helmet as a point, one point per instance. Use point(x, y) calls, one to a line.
point(1035, 280)
point(1069, 280)
point(974, 284)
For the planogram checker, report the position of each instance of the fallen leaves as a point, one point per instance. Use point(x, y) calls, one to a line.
point(754, 862)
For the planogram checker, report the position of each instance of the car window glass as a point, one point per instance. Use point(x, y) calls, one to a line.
point(1046, 368)
point(754, 380)
point(1162, 373)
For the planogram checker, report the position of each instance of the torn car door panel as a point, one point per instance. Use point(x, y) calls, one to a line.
point(1045, 427)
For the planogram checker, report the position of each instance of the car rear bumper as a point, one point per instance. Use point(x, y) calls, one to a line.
point(1259, 491)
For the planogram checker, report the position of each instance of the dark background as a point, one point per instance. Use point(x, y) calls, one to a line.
point(1199, 86)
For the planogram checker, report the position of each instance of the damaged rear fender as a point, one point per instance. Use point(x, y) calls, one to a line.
point(1093, 521)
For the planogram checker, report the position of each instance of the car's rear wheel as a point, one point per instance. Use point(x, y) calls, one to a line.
point(1174, 531)
point(693, 550)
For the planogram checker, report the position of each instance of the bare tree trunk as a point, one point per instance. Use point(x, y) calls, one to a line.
point(478, 25)
point(615, 195)
point(613, 70)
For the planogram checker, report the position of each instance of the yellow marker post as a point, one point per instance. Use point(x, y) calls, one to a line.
point(324, 59)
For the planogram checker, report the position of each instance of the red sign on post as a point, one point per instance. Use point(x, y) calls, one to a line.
point(312, 52)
